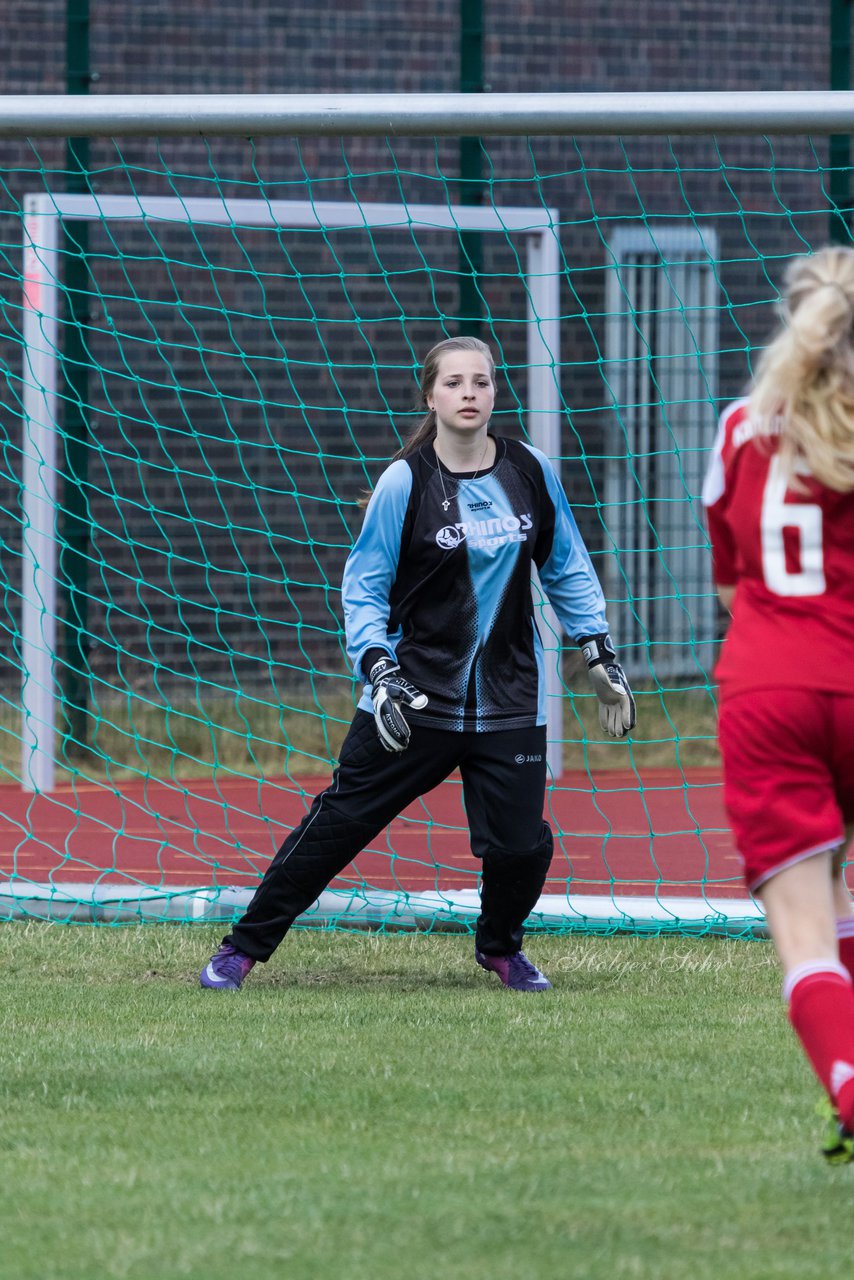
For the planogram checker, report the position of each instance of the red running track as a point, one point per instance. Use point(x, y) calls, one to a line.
point(613, 835)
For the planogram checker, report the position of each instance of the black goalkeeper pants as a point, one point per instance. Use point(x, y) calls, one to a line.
point(503, 776)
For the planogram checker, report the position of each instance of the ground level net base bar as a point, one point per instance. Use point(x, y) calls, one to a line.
point(376, 909)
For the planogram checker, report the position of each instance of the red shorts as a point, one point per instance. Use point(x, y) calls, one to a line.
point(788, 758)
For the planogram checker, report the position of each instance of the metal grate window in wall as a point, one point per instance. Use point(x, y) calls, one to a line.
point(662, 347)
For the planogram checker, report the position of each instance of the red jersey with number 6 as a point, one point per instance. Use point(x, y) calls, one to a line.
point(789, 549)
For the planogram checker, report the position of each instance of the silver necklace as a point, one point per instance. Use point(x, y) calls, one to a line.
point(461, 487)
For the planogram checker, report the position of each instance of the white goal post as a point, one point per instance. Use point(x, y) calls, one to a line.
point(43, 214)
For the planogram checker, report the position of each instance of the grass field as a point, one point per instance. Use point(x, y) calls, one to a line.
point(376, 1107)
point(135, 735)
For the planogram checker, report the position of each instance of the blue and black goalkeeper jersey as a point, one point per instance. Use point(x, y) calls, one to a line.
point(448, 591)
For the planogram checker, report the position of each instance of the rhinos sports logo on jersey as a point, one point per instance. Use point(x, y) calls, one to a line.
point(450, 537)
point(485, 533)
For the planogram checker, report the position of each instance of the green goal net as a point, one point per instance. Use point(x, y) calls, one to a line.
point(210, 348)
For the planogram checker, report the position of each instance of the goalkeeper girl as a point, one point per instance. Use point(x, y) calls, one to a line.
point(780, 502)
point(439, 623)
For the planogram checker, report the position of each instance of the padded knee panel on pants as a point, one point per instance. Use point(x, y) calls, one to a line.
point(503, 861)
point(512, 882)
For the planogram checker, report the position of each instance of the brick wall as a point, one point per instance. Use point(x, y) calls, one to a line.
point(249, 46)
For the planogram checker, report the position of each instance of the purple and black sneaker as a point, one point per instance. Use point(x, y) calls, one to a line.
point(515, 971)
point(226, 969)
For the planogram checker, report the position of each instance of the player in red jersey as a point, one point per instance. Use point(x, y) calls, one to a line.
point(779, 496)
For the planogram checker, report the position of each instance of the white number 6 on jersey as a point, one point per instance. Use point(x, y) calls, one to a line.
point(806, 517)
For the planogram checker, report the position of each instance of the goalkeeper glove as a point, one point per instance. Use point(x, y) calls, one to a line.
point(390, 693)
point(617, 714)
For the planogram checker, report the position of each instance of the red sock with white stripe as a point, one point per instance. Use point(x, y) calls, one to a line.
point(821, 1009)
point(845, 937)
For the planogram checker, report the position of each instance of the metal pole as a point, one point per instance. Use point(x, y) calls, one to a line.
point(544, 422)
point(471, 169)
point(427, 115)
point(840, 143)
point(74, 526)
point(38, 500)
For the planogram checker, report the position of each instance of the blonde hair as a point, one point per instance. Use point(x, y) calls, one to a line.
point(804, 385)
point(426, 428)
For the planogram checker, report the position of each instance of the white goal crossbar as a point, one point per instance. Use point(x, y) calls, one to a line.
point(43, 215)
